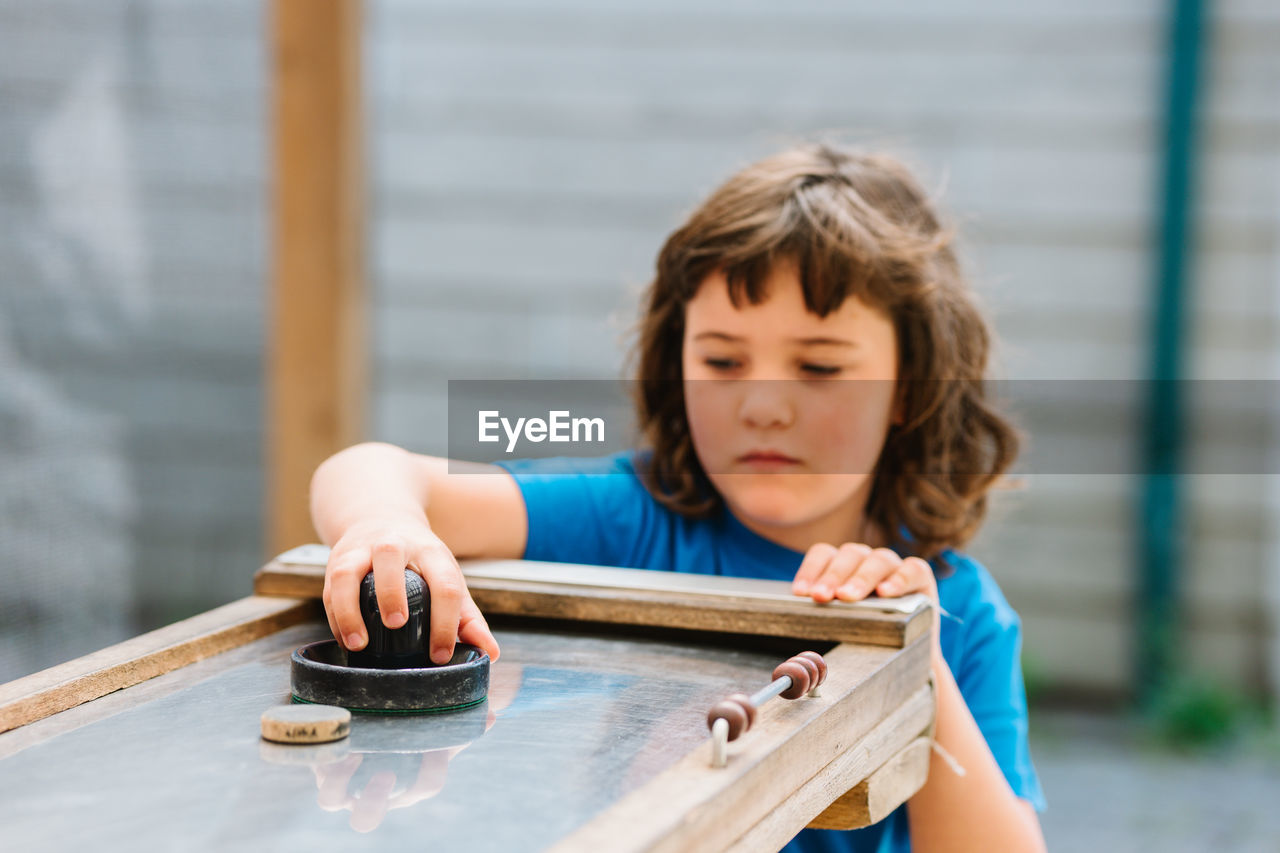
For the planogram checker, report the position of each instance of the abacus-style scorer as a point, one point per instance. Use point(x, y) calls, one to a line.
point(595, 733)
point(800, 675)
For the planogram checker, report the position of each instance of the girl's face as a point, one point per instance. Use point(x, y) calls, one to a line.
point(792, 438)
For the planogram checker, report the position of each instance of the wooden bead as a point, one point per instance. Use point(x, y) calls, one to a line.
point(745, 701)
point(822, 664)
point(799, 676)
point(733, 713)
point(810, 667)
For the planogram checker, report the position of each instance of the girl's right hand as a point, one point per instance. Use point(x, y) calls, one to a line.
point(387, 547)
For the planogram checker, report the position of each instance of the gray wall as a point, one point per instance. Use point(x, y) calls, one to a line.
point(132, 244)
point(530, 158)
point(527, 161)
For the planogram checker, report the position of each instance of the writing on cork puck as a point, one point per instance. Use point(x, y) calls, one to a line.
point(305, 723)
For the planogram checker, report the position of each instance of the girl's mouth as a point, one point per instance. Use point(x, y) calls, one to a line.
point(767, 459)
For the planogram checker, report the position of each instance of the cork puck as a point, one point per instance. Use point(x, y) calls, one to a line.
point(305, 723)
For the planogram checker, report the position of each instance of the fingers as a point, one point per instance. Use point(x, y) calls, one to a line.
point(811, 567)
point(849, 559)
point(444, 580)
point(871, 571)
point(333, 624)
point(474, 630)
point(342, 597)
point(387, 555)
point(853, 570)
point(388, 582)
point(914, 575)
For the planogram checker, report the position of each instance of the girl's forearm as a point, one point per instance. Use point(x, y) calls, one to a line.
point(367, 480)
point(977, 811)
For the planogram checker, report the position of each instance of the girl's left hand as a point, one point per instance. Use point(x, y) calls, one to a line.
point(853, 571)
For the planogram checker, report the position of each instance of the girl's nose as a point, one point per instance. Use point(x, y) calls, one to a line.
point(766, 403)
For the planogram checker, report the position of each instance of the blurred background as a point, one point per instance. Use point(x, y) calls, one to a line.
point(1114, 170)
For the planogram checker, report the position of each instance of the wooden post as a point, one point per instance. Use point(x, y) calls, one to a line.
point(316, 352)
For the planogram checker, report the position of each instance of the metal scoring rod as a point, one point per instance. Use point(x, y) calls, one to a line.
point(730, 719)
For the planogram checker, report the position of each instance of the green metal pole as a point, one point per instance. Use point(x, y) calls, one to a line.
point(1162, 534)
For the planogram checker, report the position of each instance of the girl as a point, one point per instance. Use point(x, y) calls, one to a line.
point(850, 452)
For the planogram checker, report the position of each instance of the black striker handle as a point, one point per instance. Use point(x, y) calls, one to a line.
point(404, 647)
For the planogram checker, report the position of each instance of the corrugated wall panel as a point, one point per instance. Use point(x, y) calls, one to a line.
point(549, 150)
point(533, 156)
point(132, 150)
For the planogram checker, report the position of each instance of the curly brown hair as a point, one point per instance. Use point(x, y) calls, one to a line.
point(853, 224)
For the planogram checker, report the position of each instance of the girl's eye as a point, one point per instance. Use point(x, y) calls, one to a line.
point(721, 363)
point(820, 369)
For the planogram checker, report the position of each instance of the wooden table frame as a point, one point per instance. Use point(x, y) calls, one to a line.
point(840, 761)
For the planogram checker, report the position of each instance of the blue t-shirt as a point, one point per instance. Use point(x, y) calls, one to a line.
point(597, 511)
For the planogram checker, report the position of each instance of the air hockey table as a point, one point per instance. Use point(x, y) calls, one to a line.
point(593, 736)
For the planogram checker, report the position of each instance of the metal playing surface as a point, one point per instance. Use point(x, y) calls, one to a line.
point(574, 721)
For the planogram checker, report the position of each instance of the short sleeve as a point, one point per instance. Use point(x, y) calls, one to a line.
point(584, 510)
point(990, 679)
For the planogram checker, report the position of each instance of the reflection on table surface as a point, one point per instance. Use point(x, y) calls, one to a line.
point(573, 722)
